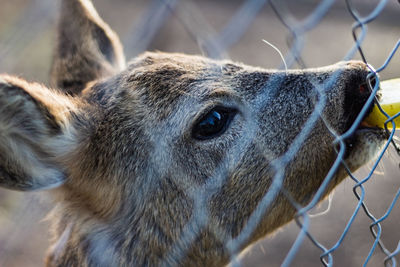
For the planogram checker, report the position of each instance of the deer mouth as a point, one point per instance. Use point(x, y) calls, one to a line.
point(363, 146)
point(365, 142)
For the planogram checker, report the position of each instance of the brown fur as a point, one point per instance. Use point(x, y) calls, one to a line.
point(128, 174)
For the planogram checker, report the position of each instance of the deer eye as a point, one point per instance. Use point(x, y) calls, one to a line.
point(214, 123)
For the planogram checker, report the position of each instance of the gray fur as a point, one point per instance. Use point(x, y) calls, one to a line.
point(131, 179)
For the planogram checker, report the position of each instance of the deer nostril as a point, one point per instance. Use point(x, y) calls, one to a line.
point(368, 86)
point(363, 88)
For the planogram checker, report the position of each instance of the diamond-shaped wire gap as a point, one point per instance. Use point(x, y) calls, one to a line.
point(150, 23)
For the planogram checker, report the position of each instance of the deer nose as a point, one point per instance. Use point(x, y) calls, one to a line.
point(358, 88)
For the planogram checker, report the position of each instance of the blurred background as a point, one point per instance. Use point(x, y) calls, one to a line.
point(27, 34)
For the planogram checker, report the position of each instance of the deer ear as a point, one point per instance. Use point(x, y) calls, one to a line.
point(87, 48)
point(34, 130)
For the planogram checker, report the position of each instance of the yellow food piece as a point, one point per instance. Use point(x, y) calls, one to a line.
point(377, 119)
point(390, 103)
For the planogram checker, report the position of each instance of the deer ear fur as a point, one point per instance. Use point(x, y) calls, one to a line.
point(87, 48)
point(34, 131)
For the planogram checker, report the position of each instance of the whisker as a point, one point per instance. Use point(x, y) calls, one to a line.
point(279, 52)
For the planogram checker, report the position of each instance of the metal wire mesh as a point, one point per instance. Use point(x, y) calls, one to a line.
point(216, 44)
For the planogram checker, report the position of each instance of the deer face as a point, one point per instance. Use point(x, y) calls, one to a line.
point(138, 154)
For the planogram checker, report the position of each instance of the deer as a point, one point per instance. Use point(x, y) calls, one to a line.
point(122, 149)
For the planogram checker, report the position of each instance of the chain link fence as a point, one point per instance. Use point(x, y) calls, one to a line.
point(294, 22)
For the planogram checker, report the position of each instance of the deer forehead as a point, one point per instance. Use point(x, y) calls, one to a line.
point(158, 85)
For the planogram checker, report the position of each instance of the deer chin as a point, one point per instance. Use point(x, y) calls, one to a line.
point(364, 145)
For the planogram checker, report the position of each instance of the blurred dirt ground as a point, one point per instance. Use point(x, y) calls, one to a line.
point(26, 41)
